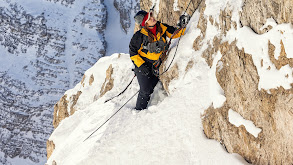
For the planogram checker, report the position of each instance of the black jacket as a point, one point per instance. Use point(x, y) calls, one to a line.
point(140, 55)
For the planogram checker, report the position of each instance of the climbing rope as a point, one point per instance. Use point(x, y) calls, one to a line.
point(134, 76)
point(111, 116)
point(179, 38)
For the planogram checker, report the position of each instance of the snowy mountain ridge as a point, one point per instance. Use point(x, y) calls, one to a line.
point(229, 81)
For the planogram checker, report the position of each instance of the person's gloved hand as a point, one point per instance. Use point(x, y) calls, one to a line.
point(144, 69)
point(183, 20)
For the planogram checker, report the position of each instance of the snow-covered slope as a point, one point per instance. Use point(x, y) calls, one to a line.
point(168, 132)
point(46, 46)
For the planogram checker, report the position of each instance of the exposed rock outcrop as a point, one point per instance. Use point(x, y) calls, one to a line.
point(73, 100)
point(82, 80)
point(166, 13)
point(170, 75)
point(109, 82)
point(65, 108)
point(239, 79)
point(92, 78)
point(271, 112)
point(60, 111)
point(50, 148)
point(256, 12)
point(282, 58)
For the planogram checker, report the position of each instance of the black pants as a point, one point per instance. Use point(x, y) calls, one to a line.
point(147, 85)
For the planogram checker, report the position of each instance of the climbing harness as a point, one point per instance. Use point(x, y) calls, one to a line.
point(157, 64)
point(155, 47)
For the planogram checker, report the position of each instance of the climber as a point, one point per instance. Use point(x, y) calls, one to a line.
point(145, 48)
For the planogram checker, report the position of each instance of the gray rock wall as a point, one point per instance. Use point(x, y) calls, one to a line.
point(40, 62)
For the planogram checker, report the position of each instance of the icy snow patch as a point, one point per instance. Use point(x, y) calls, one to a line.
point(237, 120)
point(216, 92)
point(257, 46)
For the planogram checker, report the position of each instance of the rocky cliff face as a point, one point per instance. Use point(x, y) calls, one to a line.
point(255, 13)
point(44, 50)
point(271, 111)
point(239, 77)
point(125, 7)
point(239, 70)
point(169, 11)
point(236, 72)
point(63, 2)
